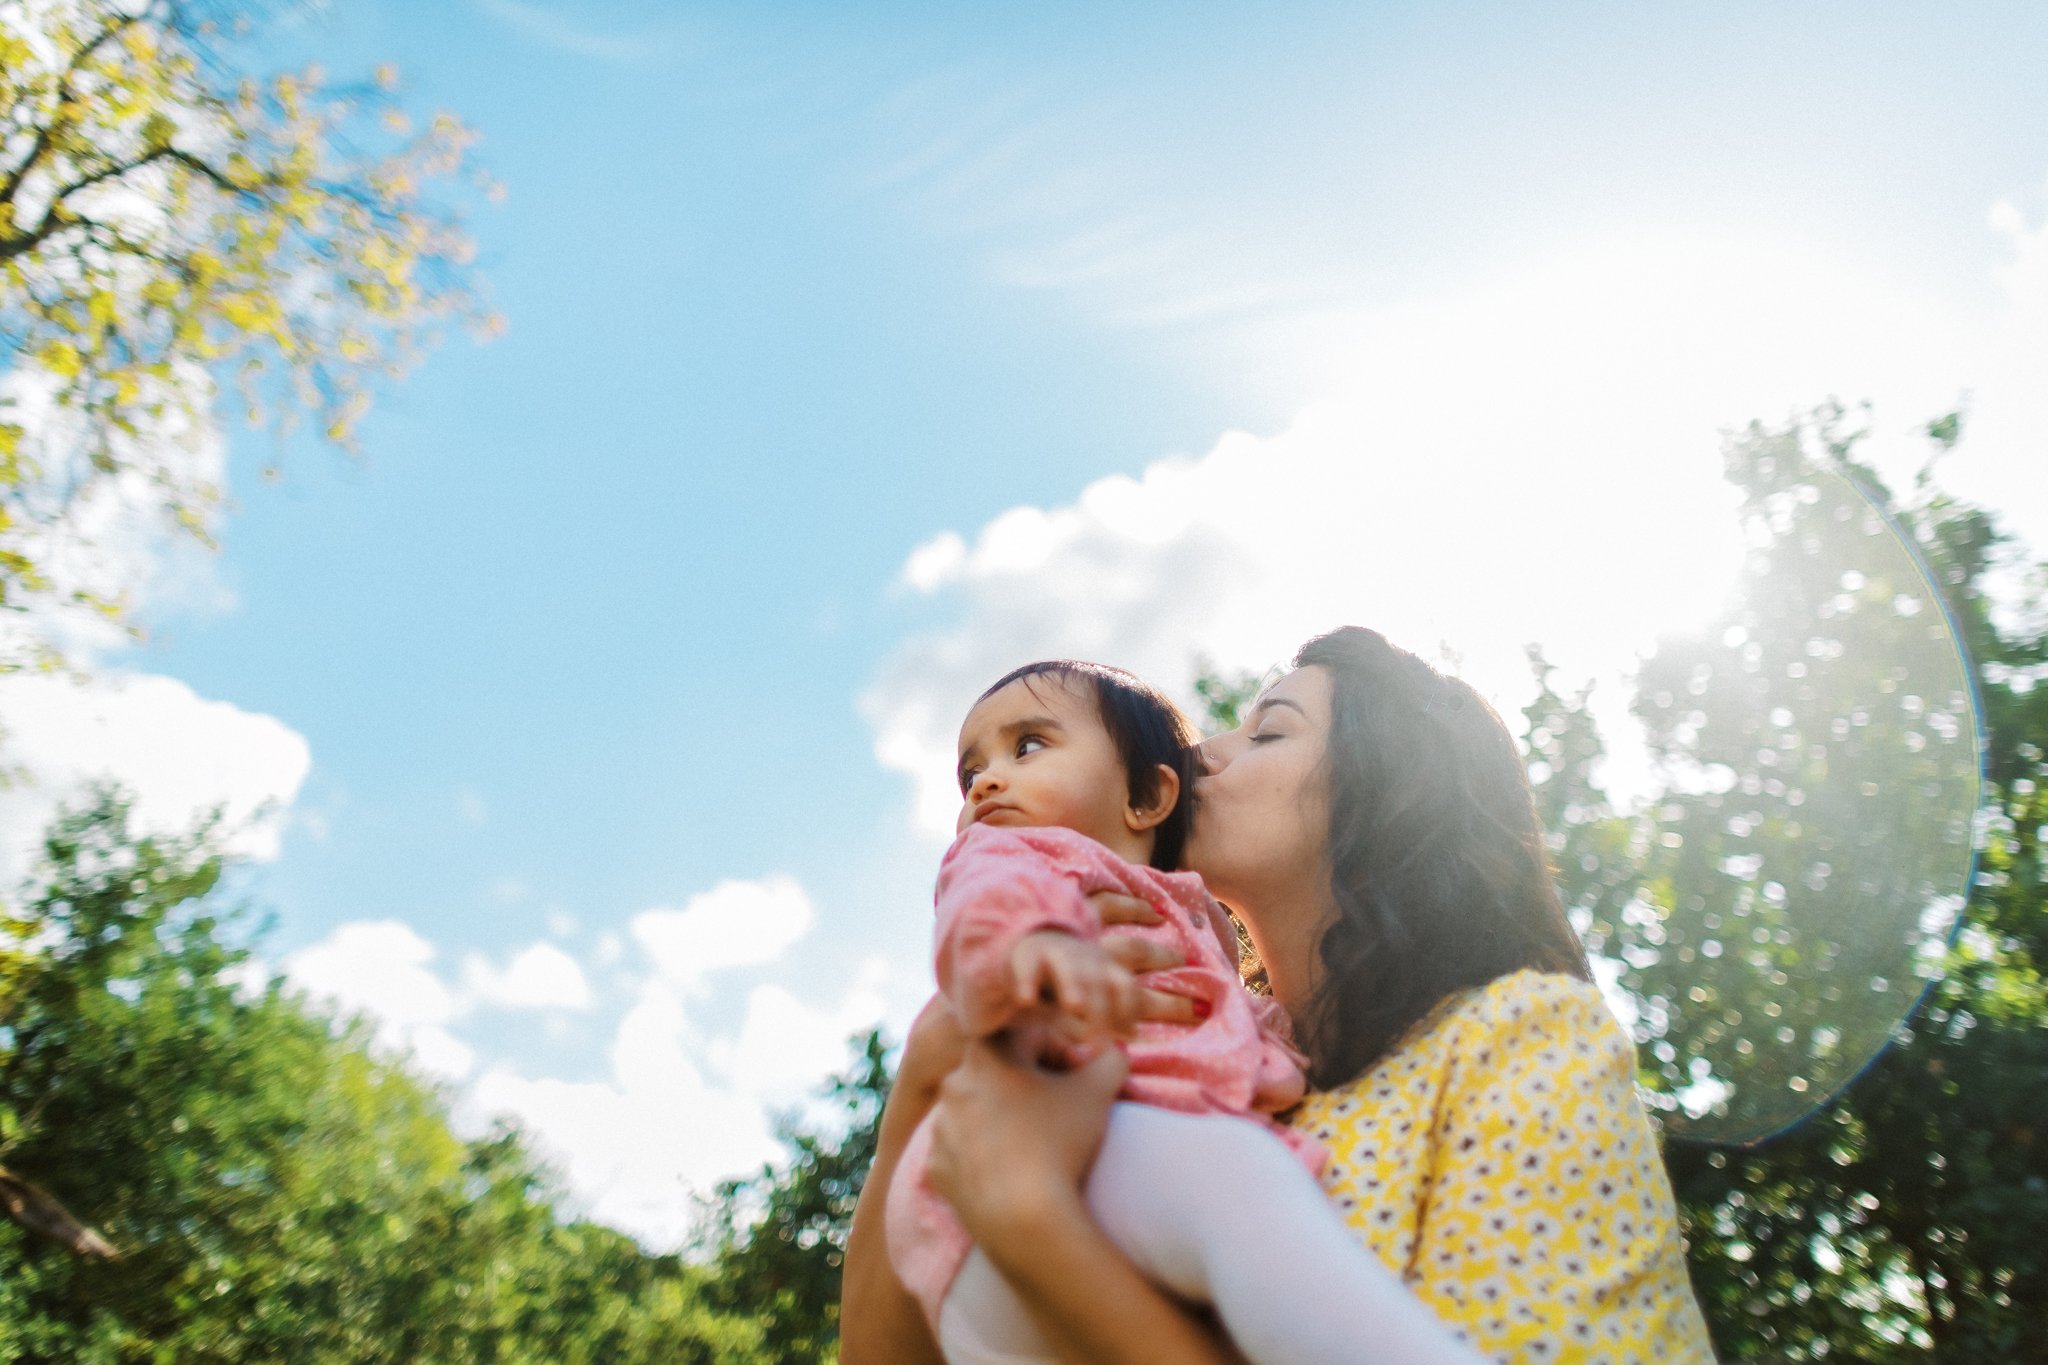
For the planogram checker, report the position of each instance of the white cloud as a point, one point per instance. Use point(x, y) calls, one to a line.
point(734, 924)
point(1532, 459)
point(381, 970)
point(935, 561)
point(634, 1147)
point(681, 1109)
point(180, 755)
point(786, 1045)
point(539, 976)
point(111, 535)
point(684, 1102)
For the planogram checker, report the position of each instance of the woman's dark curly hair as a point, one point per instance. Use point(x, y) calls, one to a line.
point(1436, 860)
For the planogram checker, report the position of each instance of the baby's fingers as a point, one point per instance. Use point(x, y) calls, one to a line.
point(1121, 992)
point(1113, 907)
point(1082, 991)
point(1138, 955)
point(1164, 1007)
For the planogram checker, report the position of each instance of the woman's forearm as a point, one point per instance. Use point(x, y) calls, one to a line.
point(879, 1322)
point(1091, 1302)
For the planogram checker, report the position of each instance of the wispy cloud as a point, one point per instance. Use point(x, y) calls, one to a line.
point(178, 754)
point(545, 25)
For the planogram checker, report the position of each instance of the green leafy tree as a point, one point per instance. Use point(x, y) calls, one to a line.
point(166, 223)
point(1223, 696)
point(1901, 1223)
point(778, 1239)
point(274, 1189)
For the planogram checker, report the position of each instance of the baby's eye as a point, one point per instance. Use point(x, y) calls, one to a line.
point(1029, 744)
point(967, 776)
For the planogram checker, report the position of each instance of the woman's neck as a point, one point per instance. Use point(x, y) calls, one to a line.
point(1287, 942)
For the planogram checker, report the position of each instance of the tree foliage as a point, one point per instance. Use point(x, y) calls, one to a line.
point(1900, 1223)
point(167, 222)
point(778, 1239)
point(276, 1191)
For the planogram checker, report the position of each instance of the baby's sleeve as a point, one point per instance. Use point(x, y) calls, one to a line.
point(1281, 1080)
point(996, 886)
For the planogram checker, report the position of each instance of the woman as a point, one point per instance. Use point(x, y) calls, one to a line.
point(1371, 826)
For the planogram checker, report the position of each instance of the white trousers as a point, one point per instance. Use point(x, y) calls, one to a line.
point(1217, 1210)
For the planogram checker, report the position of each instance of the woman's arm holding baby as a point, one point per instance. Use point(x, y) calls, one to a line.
point(880, 1323)
point(1011, 1146)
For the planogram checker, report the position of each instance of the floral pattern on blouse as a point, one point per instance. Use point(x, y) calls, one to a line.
point(1499, 1161)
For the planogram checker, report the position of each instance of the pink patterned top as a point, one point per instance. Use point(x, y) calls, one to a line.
point(996, 886)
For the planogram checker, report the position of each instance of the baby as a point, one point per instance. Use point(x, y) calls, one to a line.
point(1075, 779)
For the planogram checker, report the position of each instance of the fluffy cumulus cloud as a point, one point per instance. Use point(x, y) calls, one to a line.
point(382, 971)
point(1534, 459)
point(385, 972)
point(110, 536)
point(734, 924)
point(181, 756)
point(687, 1094)
point(682, 1106)
point(539, 976)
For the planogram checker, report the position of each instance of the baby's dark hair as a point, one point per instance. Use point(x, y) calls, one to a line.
point(1146, 729)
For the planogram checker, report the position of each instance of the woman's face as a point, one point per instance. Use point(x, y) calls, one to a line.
point(1261, 828)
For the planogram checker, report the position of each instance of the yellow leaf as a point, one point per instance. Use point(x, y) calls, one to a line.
point(61, 358)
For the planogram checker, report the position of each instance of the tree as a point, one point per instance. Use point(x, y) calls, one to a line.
point(1901, 1222)
point(778, 1239)
point(166, 223)
point(1223, 697)
point(276, 1190)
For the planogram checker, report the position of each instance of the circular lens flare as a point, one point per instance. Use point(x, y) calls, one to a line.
point(1774, 913)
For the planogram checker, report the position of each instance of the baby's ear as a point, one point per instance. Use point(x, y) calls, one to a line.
point(1165, 796)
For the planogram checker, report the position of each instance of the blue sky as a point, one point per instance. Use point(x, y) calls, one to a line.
point(855, 353)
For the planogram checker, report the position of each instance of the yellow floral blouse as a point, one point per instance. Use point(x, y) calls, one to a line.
point(1499, 1162)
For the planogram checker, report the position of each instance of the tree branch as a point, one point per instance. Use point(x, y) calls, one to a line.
point(57, 216)
point(200, 166)
point(41, 146)
point(39, 1212)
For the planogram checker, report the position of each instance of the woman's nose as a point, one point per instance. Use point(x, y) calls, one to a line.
point(1210, 757)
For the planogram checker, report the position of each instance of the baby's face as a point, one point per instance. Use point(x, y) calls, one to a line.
point(1036, 754)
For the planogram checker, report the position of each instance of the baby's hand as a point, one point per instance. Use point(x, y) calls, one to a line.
point(1097, 998)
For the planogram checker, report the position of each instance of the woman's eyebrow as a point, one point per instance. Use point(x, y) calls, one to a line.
point(1264, 704)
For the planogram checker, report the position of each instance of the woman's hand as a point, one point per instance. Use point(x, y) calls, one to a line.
point(1011, 1144)
point(1138, 956)
point(1011, 1147)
